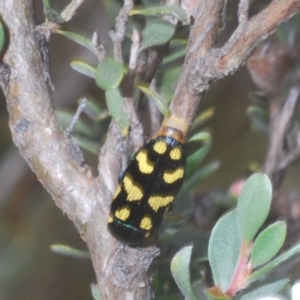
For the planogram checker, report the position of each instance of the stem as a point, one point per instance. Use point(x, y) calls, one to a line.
point(241, 273)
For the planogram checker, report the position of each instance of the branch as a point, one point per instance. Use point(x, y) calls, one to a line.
point(32, 121)
point(243, 10)
point(278, 159)
point(290, 157)
point(70, 10)
point(271, 67)
point(203, 65)
point(118, 34)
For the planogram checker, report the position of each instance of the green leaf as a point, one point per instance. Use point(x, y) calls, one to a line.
point(275, 263)
point(197, 148)
point(174, 56)
point(196, 143)
point(187, 236)
point(2, 36)
point(84, 68)
point(109, 74)
point(180, 271)
point(112, 9)
point(198, 288)
point(158, 100)
point(259, 117)
point(202, 118)
point(50, 13)
point(69, 251)
point(167, 79)
point(174, 10)
point(223, 249)
point(254, 205)
point(95, 292)
point(263, 290)
point(94, 111)
point(86, 144)
point(156, 33)
point(114, 102)
point(180, 213)
point(79, 39)
point(65, 118)
point(199, 176)
point(47, 4)
point(268, 243)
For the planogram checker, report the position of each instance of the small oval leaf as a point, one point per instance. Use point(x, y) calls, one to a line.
point(156, 33)
point(69, 251)
point(268, 243)
point(94, 111)
point(202, 118)
point(174, 10)
point(223, 249)
point(167, 79)
point(86, 144)
point(84, 68)
point(197, 148)
point(181, 273)
point(158, 100)
point(65, 118)
point(197, 142)
point(254, 205)
point(95, 292)
point(198, 288)
point(2, 36)
point(263, 289)
point(174, 56)
point(109, 74)
point(114, 102)
point(198, 176)
point(77, 38)
point(275, 263)
point(50, 13)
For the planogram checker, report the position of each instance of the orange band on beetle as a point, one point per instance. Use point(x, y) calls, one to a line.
point(175, 127)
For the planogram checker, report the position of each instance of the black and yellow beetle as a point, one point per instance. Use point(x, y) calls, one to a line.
point(148, 186)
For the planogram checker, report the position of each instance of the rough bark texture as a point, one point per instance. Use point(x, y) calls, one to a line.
point(122, 272)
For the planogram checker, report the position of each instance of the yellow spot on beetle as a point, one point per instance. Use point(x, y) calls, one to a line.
point(172, 176)
point(146, 223)
point(145, 164)
point(123, 213)
point(110, 219)
point(160, 147)
point(157, 201)
point(175, 153)
point(117, 192)
point(134, 191)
